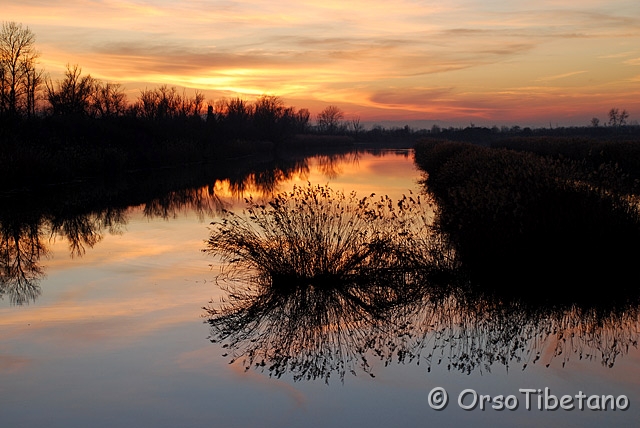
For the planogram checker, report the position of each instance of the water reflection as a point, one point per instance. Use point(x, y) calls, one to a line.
point(468, 332)
point(312, 275)
point(204, 202)
point(85, 230)
point(82, 213)
point(24, 238)
point(333, 166)
point(293, 308)
point(21, 247)
point(265, 178)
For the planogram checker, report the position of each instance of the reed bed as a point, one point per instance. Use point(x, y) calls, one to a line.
point(519, 220)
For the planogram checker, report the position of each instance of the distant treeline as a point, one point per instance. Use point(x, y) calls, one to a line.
point(78, 126)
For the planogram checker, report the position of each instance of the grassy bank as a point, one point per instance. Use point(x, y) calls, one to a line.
point(520, 220)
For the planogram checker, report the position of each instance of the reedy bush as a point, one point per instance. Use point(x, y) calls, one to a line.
point(313, 273)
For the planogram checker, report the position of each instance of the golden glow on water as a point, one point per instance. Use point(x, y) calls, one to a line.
point(117, 335)
point(134, 273)
point(362, 173)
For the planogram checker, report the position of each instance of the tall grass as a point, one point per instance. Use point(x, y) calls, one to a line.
point(315, 236)
point(527, 222)
point(317, 282)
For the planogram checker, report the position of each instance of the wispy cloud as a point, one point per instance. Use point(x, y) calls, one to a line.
point(618, 55)
point(561, 76)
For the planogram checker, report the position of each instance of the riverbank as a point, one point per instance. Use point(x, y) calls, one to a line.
point(553, 224)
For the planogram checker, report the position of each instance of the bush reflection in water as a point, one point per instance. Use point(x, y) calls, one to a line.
point(318, 283)
point(312, 274)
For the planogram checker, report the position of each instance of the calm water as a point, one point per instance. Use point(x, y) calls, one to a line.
point(113, 332)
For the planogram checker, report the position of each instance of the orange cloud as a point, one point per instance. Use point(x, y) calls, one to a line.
point(374, 58)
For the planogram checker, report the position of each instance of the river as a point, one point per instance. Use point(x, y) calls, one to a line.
point(107, 328)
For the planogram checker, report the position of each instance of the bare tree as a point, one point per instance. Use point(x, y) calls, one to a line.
point(191, 106)
point(355, 126)
point(109, 100)
point(329, 119)
point(146, 106)
point(220, 107)
point(166, 103)
point(302, 120)
point(72, 95)
point(617, 117)
point(33, 81)
point(268, 107)
point(238, 111)
point(595, 122)
point(19, 79)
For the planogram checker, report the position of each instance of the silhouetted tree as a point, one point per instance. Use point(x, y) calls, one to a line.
point(146, 106)
point(329, 119)
point(237, 116)
point(33, 81)
point(109, 100)
point(73, 95)
point(160, 103)
point(268, 113)
point(191, 107)
point(166, 103)
point(355, 126)
point(617, 117)
point(302, 120)
point(19, 79)
point(210, 114)
point(238, 109)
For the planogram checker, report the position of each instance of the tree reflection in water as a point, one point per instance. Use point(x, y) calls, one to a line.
point(82, 213)
point(300, 301)
point(24, 238)
point(21, 247)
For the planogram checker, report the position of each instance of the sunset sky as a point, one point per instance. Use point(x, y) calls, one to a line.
point(488, 62)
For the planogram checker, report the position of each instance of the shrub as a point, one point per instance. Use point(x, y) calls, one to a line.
point(311, 274)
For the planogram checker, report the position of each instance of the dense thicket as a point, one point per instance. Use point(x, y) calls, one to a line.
point(518, 219)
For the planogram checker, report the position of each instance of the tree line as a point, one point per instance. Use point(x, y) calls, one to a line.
point(26, 91)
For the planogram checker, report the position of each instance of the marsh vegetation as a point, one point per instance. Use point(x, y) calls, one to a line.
point(562, 227)
point(319, 284)
point(309, 272)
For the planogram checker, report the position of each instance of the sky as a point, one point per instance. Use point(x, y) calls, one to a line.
point(455, 63)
